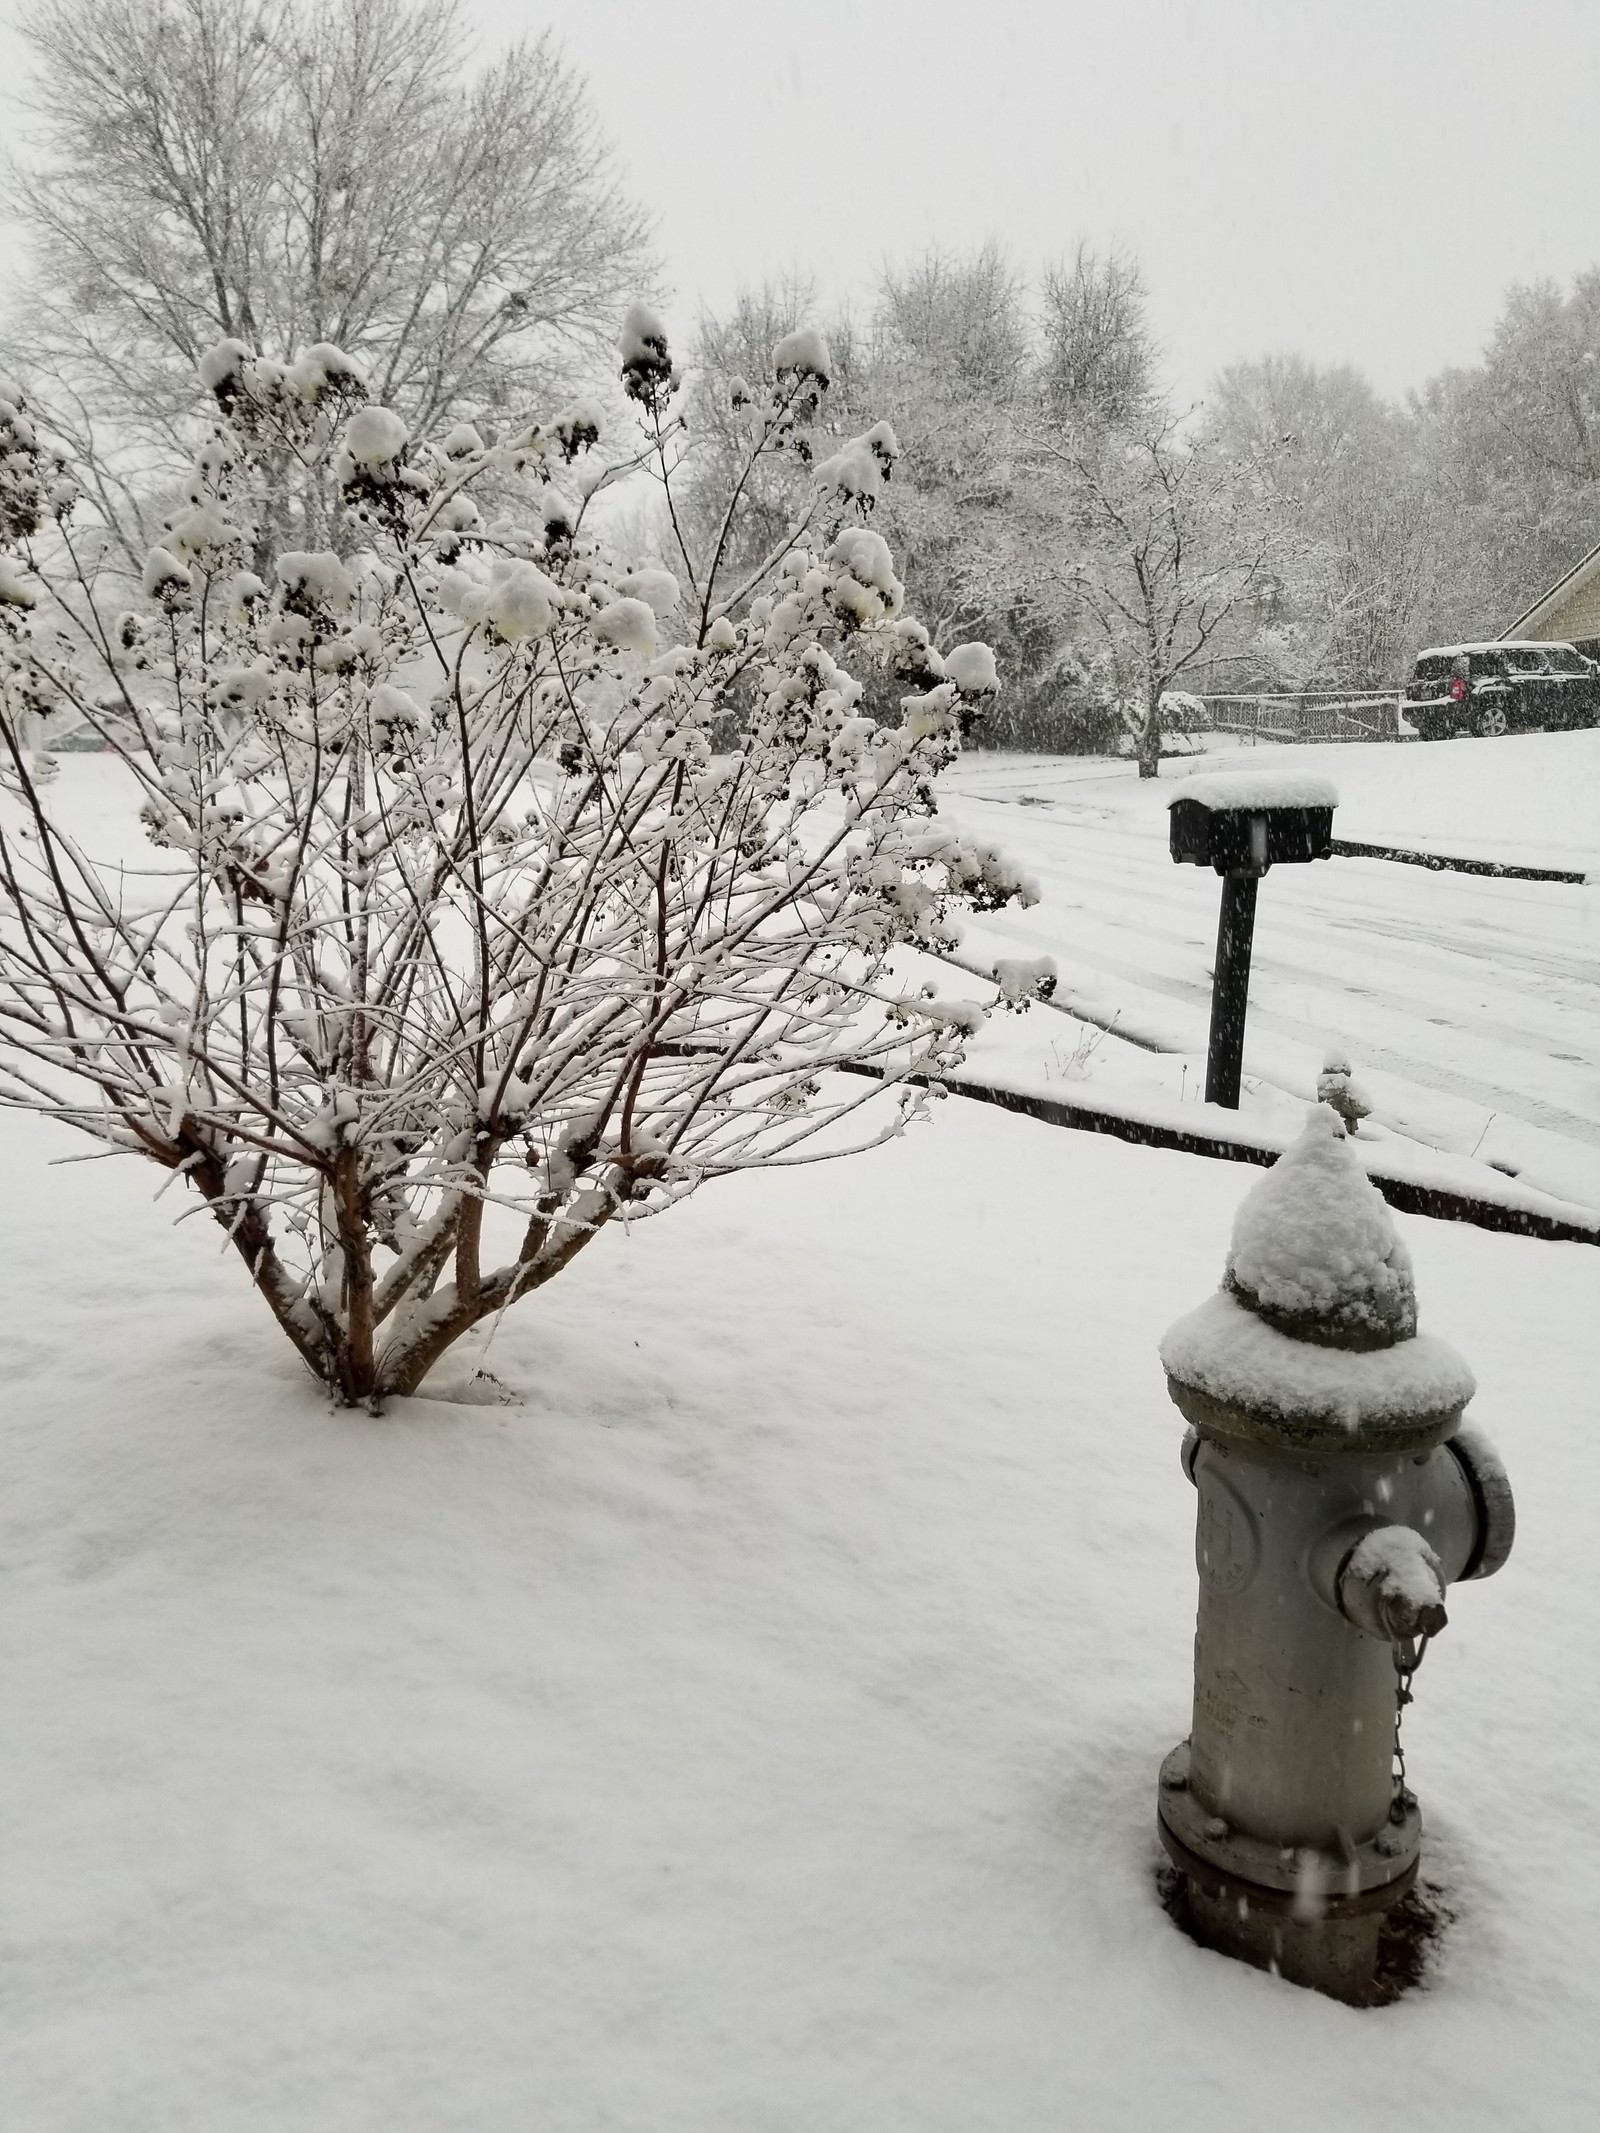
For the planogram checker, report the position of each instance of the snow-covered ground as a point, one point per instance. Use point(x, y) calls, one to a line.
point(755, 1731)
point(1470, 1005)
point(757, 1726)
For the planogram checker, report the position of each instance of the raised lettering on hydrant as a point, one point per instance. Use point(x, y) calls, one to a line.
point(1339, 1495)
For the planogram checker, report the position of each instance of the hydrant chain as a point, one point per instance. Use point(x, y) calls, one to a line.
point(1408, 1656)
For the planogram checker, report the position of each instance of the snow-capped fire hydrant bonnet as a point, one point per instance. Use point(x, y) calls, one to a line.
point(1338, 1497)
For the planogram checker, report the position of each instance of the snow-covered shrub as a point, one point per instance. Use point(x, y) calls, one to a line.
point(454, 939)
point(1184, 714)
point(1066, 706)
point(1183, 720)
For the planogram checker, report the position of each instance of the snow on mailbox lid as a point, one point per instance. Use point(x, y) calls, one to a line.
point(1256, 791)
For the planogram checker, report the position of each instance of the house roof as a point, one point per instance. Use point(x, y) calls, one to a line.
point(1527, 623)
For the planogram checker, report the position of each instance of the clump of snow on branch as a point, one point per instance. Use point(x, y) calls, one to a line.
point(374, 438)
point(867, 589)
point(164, 577)
point(32, 490)
point(646, 363)
point(486, 871)
point(858, 471)
point(629, 625)
point(971, 667)
point(658, 589)
point(1021, 979)
point(519, 600)
point(803, 354)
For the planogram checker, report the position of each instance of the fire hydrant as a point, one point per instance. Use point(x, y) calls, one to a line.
point(1338, 1496)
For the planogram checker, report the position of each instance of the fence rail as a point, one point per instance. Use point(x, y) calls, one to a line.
point(1313, 715)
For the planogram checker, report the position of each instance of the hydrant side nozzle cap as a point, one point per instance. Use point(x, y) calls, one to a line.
point(1315, 1251)
point(1393, 1585)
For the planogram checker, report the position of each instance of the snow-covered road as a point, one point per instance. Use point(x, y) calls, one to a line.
point(1471, 1004)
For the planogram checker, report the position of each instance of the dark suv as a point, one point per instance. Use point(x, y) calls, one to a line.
point(1500, 688)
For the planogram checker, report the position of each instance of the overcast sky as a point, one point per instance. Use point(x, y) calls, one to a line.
point(1354, 179)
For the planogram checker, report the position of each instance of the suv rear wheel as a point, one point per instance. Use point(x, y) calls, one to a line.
point(1490, 722)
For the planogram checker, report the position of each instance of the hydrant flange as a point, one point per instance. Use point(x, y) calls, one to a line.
point(1337, 1880)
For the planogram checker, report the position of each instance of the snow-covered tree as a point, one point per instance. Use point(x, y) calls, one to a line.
point(950, 358)
point(1046, 498)
point(291, 172)
point(1099, 355)
point(1512, 449)
point(1174, 541)
point(729, 370)
point(945, 355)
point(450, 939)
point(1350, 465)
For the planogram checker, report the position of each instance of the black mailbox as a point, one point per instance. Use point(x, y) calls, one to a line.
point(1241, 826)
point(1248, 840)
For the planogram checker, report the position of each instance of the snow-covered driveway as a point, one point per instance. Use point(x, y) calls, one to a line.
point(1471, 1004)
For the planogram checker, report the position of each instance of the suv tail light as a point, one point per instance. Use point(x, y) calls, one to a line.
point(1458, 688)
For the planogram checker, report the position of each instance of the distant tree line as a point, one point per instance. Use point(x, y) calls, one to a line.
point(294, 173)
point(1295, 530)
point(1440, 516)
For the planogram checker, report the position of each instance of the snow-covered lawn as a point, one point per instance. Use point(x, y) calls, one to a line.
point(1470, 1005)
point(757, 1728)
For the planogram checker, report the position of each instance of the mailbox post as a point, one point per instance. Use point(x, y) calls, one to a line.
point(1230, 988)
point(1240, 826)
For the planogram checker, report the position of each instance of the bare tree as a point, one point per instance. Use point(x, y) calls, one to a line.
point(962, 320)
point(292, 173)
point(454, 939)
point(1099, 356)
point(1173, 542)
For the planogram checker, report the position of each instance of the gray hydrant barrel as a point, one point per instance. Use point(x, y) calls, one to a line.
point(1339, 1495)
